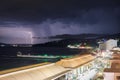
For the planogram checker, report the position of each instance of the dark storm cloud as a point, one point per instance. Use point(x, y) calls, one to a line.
point(54, 17)
point(37, 11)
point(97, 20)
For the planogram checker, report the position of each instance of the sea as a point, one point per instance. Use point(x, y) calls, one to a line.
point(9, 59)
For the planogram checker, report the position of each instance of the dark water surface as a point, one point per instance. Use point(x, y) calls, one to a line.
point(8, 58)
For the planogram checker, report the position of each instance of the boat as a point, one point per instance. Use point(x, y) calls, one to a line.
point(19, 54)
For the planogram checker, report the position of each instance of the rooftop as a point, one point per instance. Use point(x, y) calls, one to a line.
point(43, 72)
point(76, 61)
point(115, 65)
point(111, 70)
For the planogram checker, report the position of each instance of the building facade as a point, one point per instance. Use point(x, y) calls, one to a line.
point(108, 45)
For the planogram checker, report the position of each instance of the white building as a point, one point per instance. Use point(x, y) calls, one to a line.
point(108, 45)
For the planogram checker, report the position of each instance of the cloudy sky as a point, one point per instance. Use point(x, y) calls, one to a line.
point(20, 20)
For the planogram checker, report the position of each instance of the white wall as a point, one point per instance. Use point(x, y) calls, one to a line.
point(108, 76)
point(110, 44)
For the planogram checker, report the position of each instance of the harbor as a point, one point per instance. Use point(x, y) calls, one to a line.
point(87, 66)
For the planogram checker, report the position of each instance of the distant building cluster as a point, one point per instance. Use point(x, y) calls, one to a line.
point(80, 46)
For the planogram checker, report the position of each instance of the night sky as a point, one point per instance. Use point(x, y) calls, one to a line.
point(20, 20)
